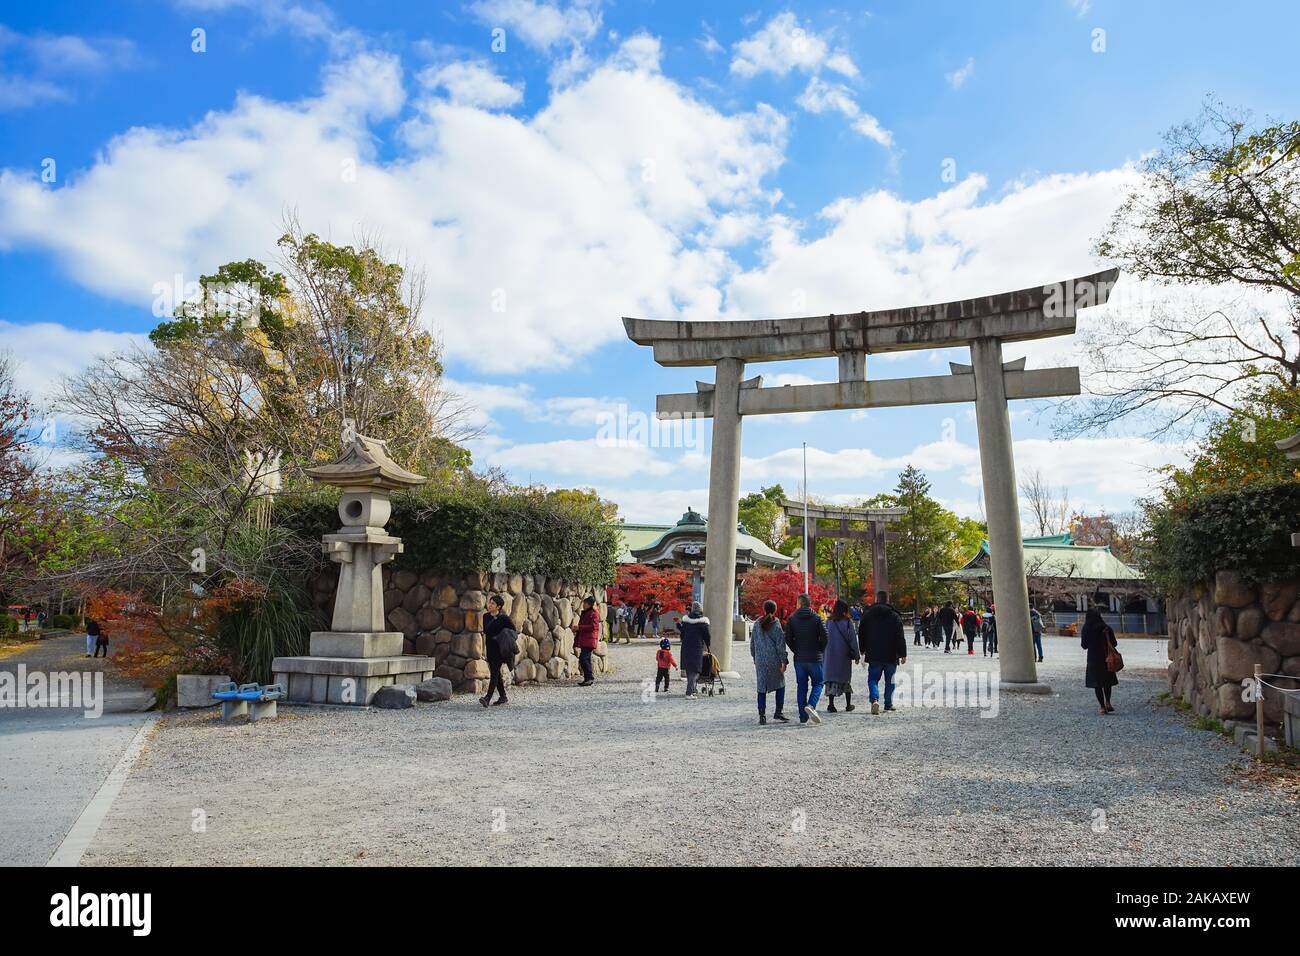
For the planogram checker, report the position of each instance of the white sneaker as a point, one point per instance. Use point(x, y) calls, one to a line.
point(815, 717)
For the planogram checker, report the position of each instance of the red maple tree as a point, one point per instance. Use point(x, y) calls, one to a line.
point(638, 583)
point(782, 586)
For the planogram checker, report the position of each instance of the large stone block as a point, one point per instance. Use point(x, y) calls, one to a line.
point(416, 598)
point(477, 669)
point(1232, 590)
point(1225, 621)
point(453, 675)
point(515, 585)
point(355, 644)
point(476, 580)
point(392, 599)
point(399, 619)
point(1229, 704)
point(429, 619)
point(426, 644)
point(394, 697)
point(1237, 659)
point(1249, 622)
point(444, 597)
point(473, 620)
point(453, 619)
point(554, 586)
point(473, 601)
point(1277, 597)
point(469, 645)
point(550, 610)
point(1283, 637)
point(433, 689)
point(195, 690)
point(405, 580)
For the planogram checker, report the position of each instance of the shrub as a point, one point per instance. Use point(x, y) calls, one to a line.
point(69, 622)
point(1247, 530)
point(8, 625)
point(523, 532)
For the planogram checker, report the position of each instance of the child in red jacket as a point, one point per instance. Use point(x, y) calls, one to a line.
point(664, 660)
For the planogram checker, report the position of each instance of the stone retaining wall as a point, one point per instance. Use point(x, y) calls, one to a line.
point(1217, 633)
point(441, 616)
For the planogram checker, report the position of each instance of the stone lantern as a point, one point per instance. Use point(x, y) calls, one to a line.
point(350, 662)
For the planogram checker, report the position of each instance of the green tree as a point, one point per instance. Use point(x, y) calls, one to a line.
point(931, 540)
point(762, 516)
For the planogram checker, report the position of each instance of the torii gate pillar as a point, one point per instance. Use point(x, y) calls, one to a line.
point(1002, 507)
point(724, 508)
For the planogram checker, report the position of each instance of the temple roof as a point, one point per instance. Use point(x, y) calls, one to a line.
point(656, 544)
point(1056, 557)
point(365, 463)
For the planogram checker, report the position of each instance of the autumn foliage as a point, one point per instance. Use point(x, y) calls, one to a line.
point(638, 583)
point(782, 586)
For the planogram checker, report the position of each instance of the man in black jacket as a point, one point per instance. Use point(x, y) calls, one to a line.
point(880, 635)
point(805, 635)
point(948, 623)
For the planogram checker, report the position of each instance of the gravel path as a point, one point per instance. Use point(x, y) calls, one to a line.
point(598, 776)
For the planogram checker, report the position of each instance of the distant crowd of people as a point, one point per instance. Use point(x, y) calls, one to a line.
point(823, 645)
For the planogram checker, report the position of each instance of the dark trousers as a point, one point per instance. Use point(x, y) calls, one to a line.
point(584, 661)
point(101, 646)
point(496, 682)
point(661, 675)
point(947, 638)
point(780, 701)
point(1103, 695)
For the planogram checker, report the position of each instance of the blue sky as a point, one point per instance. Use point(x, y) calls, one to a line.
point(666, 160)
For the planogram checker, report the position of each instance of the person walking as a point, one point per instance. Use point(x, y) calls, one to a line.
point(989, 634)
point(805, 635)
point(948, 623)
point(841, 652)
point(101, 643)
point(92, 635)
point(664, 660)
point(1097, 639)
point(696, 639)
point(922, 632)
point(621, 627)
point(587, 635)
point(640, 619)
point(884, 647)
point(502, 644)
point(655, 610)
point(767, 648)
point(970, 626)
point(1036, 625)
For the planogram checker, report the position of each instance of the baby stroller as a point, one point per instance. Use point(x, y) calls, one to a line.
point(710, 675)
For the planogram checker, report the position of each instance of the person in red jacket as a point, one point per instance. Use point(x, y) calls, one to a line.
point(587, 629)
point(663, 660)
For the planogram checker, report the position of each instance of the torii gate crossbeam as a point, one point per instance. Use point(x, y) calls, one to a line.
point(981, 323)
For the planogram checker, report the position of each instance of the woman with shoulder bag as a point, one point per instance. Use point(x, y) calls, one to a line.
point(1104, 659)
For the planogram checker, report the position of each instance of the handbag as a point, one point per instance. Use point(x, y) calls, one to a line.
point(1114, 659)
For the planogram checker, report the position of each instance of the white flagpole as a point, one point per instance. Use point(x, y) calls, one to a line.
point(807, 574)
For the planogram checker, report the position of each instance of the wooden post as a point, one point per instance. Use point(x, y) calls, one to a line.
point(1259, 715)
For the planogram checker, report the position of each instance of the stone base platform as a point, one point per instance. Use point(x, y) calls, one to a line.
point(346, 680)
point(355, 644)
point(1024, 687)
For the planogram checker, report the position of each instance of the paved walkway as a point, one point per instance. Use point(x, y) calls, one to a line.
point(602, 775)
point(53, 760)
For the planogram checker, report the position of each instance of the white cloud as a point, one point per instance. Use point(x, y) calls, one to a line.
point(46, 351)
point(471, 84)
point(784, 44)
point(581, 459)
point(39, 68)
point(958, 77)
point(819, 97)
point(542, 25)
point(536, 234)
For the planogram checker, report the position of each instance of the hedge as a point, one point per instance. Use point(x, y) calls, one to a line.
point(1248, 531)
point(456, 534)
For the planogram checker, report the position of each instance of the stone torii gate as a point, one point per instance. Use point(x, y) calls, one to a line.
point(981, 324)
point(876, 532)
